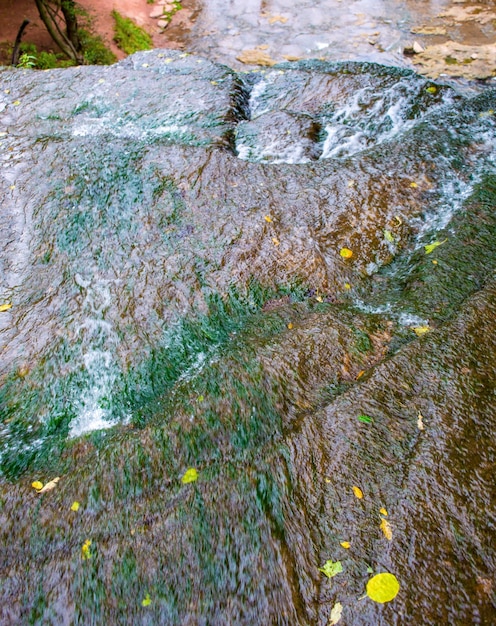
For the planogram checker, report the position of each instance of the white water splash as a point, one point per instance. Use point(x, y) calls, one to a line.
point(98, 342)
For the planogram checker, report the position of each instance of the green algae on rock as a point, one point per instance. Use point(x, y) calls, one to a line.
point(149, 294)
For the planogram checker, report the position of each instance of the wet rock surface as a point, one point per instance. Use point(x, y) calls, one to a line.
point(174, 264)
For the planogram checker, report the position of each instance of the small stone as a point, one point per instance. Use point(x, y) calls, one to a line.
point(157, 12)
point(417, 48)
point(163, 24)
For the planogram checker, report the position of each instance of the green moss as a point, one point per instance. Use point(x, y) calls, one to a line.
point(95, 51)
point(129, 36)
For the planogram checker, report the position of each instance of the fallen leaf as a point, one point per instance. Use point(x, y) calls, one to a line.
point(12, 187)
point(190, 475)
point(347, 286)
point(330, 568)
point(420, 423)
point(267, 218)
point(383, 511)
point(432, 246)
point(429, 30)
point(75, 506)
point(351, 183)
point(17, 103)
point(277, 18)
point(49, 486)
point(319, 298)
point(275, 241)
point(358, 492)
point(336, 613)
point(421, 330)
point(146, 600)
point(383, 587)
point(256, 57)
point(290, 325)
point(37, 485)
point(360, 374)
point(346, 253)
point(413, 185)
point(346, 544)
point(389, 236)
point(5, 307)
point(386, 529)
point(85, 549)
point(366, 419)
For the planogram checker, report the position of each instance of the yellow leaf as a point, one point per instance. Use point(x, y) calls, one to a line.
point(388, 235)
point(12, 187)
point(85, 549)
point(190, 475)
point(420, 330)
point(431, 89)
point(346, 253)
point(360, 374)
point(290, 325)
point(17, 103)
point(383, 587)
point(37, 485)
point(5, 307)
point(49, 486)
point(75, 506)
point(386, 529)
point(383, 511)
point(275, 241)
point(346, 544)
point(358, 492)
point(101, 81)
point(351, 183)
point(413, 185)
point(347, 286)
point(267, 218)
point(319, 298)
point(146, 600)
point(335, 615)
point(432, 246)
point(420, 423)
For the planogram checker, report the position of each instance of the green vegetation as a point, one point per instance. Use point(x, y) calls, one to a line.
point(95, 52)
point(129, 36)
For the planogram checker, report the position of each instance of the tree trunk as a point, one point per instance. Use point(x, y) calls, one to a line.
point(15, 51)
point(58, 27)
point(69, 12)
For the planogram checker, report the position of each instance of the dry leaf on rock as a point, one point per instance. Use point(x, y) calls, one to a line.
point(336, 614)
point(49, 486)
point(386, 529)
point(358, 492)
point(256, 57)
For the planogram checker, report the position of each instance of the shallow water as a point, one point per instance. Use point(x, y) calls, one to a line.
point(174, 264)
point(332, 30)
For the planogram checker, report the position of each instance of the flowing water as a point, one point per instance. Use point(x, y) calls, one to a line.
point(174, 237)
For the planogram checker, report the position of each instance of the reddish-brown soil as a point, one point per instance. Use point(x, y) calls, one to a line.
point(13, 12)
